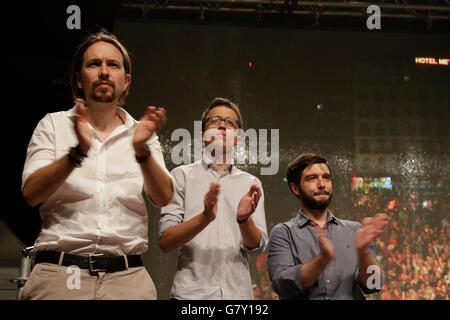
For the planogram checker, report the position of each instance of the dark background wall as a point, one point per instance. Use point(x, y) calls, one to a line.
point(358, 78)
point(183, 66)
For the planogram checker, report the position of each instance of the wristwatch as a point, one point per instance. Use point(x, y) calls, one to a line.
point(76, 156)
point(144, 158)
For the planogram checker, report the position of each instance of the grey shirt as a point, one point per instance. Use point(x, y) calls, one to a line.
point(214, 264)
point(294, 243)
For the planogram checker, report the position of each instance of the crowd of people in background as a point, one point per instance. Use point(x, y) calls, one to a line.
point(414, 249)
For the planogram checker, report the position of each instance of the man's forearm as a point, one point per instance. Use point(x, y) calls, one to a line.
point(312, 270)
point(42, 183)
point(251, 235)
point(176, 236)
point(157, 182)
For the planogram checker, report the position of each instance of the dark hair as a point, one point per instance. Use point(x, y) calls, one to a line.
point(221, 102)
point(295, 168)
point(105, 36)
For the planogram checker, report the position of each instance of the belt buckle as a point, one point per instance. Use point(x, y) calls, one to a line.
point(91, 264)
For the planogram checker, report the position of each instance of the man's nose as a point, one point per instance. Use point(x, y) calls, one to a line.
point(103, 71)
point(222, 125)
point(320, 183)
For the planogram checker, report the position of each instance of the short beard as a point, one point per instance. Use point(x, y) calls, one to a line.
point(103, 96)
point(103, 99)
point(313, 204)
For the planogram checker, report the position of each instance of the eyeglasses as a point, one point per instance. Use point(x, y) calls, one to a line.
point(229, 123)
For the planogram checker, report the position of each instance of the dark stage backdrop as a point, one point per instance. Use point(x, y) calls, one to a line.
point(358, 98)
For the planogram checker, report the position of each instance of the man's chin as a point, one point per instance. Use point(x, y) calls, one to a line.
point(103, 98)
point(316, 205)
point(313, 204)
point(220, 147)
point(222, 142)
point(322, 205)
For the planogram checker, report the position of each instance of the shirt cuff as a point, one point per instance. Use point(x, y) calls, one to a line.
point(259, 249)
point(37, 164)
point(289, 284)
point(166, 224)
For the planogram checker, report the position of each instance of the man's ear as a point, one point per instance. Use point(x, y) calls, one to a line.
point(77, 79)
point(127, 81)
point(202, 139)
point(237, 139)
point(294, 189)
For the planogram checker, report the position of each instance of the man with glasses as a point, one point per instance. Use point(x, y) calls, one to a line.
point(216, 216)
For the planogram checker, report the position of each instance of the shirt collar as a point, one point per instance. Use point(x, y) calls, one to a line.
point(303, 219)
point(207, 163)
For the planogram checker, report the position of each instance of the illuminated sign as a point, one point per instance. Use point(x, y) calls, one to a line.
point(364, 184)
point(436, 61)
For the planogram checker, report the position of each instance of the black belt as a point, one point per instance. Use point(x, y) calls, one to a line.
point(95, 263)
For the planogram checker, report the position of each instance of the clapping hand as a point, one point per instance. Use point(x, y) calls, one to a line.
point(248, 203)
point(327, 248)
point(371, 228)
point(84, 133)
point(210, 201)
point(152, 121)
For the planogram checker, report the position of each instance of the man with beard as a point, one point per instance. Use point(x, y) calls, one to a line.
point(216, 216)
point(90, 168)
point(316, 255)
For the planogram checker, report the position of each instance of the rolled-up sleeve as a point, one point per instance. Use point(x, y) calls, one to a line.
point(156, 152)
point(173, 213)
point(284, 272)
point(259, 218)
point(41, 149)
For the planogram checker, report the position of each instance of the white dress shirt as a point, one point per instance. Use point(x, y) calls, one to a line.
point(213, 265)
point(100, 208)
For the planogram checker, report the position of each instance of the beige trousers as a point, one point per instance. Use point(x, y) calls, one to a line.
point(54, 282)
